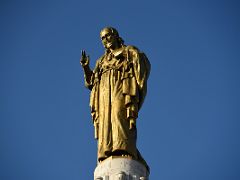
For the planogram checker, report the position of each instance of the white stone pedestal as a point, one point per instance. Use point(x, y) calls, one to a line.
point(120, 168)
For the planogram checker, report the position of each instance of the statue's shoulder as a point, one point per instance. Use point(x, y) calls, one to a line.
point(141, 56)
point(135, 50)
point(132, 48)
point(100, 58)
point(97, 64)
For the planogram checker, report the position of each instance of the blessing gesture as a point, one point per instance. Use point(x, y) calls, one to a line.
point(84, 61)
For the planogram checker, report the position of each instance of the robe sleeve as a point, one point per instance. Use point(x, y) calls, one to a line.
point(94, 98)
point(141, 68)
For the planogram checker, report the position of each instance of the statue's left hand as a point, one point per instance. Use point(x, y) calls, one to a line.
point(132, 124)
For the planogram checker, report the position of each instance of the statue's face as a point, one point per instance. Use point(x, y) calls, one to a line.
point(109, 40)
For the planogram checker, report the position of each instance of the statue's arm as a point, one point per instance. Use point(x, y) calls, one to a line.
point(84, 61)
point(141, 67)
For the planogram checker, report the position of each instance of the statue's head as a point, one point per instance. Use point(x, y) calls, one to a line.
point(110, 38)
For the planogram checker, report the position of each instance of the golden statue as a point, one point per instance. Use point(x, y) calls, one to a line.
point(118, 87)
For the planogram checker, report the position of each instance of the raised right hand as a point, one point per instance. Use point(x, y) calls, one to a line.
point(84, 60)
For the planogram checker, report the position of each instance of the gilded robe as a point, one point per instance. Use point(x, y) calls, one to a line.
point(118, 88)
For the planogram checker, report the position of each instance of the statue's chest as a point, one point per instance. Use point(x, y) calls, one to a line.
point(111, 64)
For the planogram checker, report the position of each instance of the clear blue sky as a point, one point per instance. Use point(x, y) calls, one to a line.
point(188, 128)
